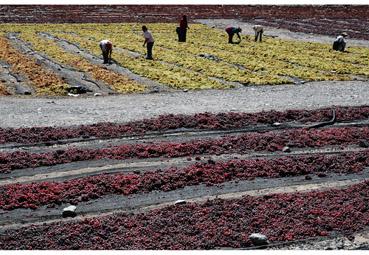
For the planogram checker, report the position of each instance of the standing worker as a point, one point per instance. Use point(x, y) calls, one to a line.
point(107, 48)
point(231, 31)
point(259, 30)
point(339, 44)
point(149, 41)
point(182, 29)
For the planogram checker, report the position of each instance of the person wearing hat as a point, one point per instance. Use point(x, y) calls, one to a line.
point(231, 31)
point(259, 30)
point(339, 44)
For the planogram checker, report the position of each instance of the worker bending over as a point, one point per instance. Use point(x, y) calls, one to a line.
point(231, 31)
point(107, 48)
point(339, 44)
point(259, 30)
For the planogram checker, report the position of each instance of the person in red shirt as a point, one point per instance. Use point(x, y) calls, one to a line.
point(231, 31)
point(182, 29)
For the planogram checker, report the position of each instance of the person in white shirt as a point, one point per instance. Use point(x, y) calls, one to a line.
point(259, 30)
point(107, 48)
point(149, 41)
point(339, 44)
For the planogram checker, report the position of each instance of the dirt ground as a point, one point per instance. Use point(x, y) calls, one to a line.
point(17, 112)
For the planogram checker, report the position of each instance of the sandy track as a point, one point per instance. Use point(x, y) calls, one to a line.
point(17, 112)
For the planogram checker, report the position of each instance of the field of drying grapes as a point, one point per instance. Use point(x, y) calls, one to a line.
point(295, 176)
point(198, 149)
point(49, 60)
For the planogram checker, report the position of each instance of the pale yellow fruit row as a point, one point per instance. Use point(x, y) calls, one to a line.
point(183, 59)
point(178, 65)
point(317, 56)
point(117, 82)
point(3, 90)
point(263, 59)
point(44, 81)
point(165, 73)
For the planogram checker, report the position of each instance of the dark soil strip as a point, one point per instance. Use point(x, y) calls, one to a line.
point(71, 76)
point(198, 193)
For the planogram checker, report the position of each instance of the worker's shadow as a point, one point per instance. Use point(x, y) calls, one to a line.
point(111, 62)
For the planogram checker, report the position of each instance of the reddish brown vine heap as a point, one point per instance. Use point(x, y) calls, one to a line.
point(220, 121)
point(88, 188)
point(209, 225)
point(218, 223)
point(269, 141)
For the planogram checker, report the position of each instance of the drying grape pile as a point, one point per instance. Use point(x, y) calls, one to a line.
point(168, 158)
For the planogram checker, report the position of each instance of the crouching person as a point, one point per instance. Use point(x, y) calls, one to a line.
point(340, 44)
point(231, 31)
point(259, 30)
point(107, 48)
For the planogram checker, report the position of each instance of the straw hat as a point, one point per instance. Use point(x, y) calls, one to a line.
point(344, 34)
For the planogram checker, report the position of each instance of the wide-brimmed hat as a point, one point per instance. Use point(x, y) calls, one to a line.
point(344, 34)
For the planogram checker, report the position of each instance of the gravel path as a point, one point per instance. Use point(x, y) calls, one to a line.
point(22, 112)
point(16, 112)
